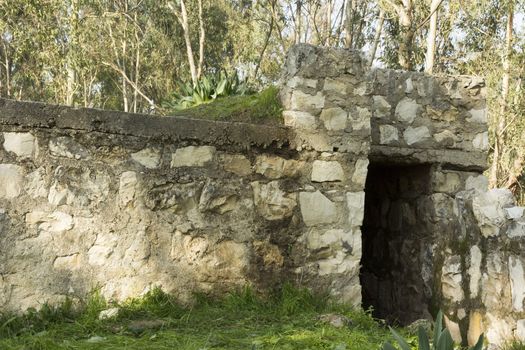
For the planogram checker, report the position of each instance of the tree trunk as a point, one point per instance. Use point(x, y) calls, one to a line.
point(377, 36)
point(431, 37)
point(407, 34)
point(501, 123)
point(183, 20)
point(70, 64)
point(349, 23)
point(298, 16)
point(202, 38)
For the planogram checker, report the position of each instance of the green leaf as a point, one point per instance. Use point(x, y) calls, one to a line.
point(388, 346)
point(438, 327)
point(479, 344)
point(402, 342)
point(423, 339)
point(445, 341)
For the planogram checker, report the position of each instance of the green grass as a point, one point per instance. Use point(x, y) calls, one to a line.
point(261, 108)
point(241, 320)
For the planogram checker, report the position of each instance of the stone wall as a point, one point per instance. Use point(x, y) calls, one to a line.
point(123, 202)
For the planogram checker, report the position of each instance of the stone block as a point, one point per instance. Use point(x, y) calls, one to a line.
point(388, 134)
point(453, 328)
point(478, 183)
point(305, 102)
point(237, 164)
point(23, 144)
point(127, 187)
point(67, 147)
point(301, 82)
point(334, 118)
point(474, 271)
point(520, 330)
point(11, 181)
point(316, 209)
point(54, 222)
point(148, 157)
point(192, 156)
point(275, 167)
point(488, 208)
point(446, 138)
point(475, 327)
point(299, 120)
point(272, 202)
point(414, 136)
point(360, 172)
point(447, 182)
point(327, 171)
point(514, 213)
point(517, 282)
point(481, 141)
point(335, 85)
point(407, 110)
point(381, 107)
point(478, 116)
point(451, 279)
point(355, 202)
point(360, 119)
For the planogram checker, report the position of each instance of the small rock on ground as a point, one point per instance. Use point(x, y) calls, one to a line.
point(335, 320)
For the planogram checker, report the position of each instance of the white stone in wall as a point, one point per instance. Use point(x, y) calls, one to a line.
point(355, 202)
point(388, 134)
point(488, 208)
point(20, 143)
point(360, 120)
point(407, 110)
point(237, 164)
point(334, 85)
point(516, 229)
point(478, 116)
point(409, 86)
point(498, 331)
point(298, 81)
point(275, 167)
point(360, 171)
point(481, 141)
point(57, 194)
point(517, 282)
point(381, 107)
point(11, 180)
point(148, 157)
point(446, 138)
point(272, 202)
point(474, 271)
point(520, 330)
point(416, 135)
point(127, 187)
point(299, 120)
point(65, 146)
point(54, 222)
point(197, 156)
point(36, 183)
point(104, 246)
point(451, 279)
point(447, 182)
point(306, 102)
point(317, 209)
point(514, 213)
point(317, 240)
point(334, 118)
point(326, 171)
point(68, 262)
point(478, 183)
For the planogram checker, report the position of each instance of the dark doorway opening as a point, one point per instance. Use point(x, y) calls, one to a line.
point(396, 243)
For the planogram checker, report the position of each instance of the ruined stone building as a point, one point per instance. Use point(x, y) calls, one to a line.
point(372, 190)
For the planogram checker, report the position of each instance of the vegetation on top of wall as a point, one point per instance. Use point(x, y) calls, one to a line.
point(263, 107)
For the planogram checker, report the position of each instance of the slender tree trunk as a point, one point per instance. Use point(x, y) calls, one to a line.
point(328, 24)
point(202, 38)
point(266, 41)
point(377, 36)
point(407, 34)
point(298, 16)
point(349, 23)
point(137, 65)
point(71, 50)
point(431, 37)
point(183, 20)
point(502, 120)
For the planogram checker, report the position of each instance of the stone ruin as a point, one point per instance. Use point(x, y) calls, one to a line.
point(372, 190)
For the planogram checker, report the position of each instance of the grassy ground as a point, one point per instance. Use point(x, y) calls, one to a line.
point(240, 321)
point(262, 108)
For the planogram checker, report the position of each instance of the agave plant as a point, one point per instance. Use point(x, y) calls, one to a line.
point(442, 338)
point(207, 88)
